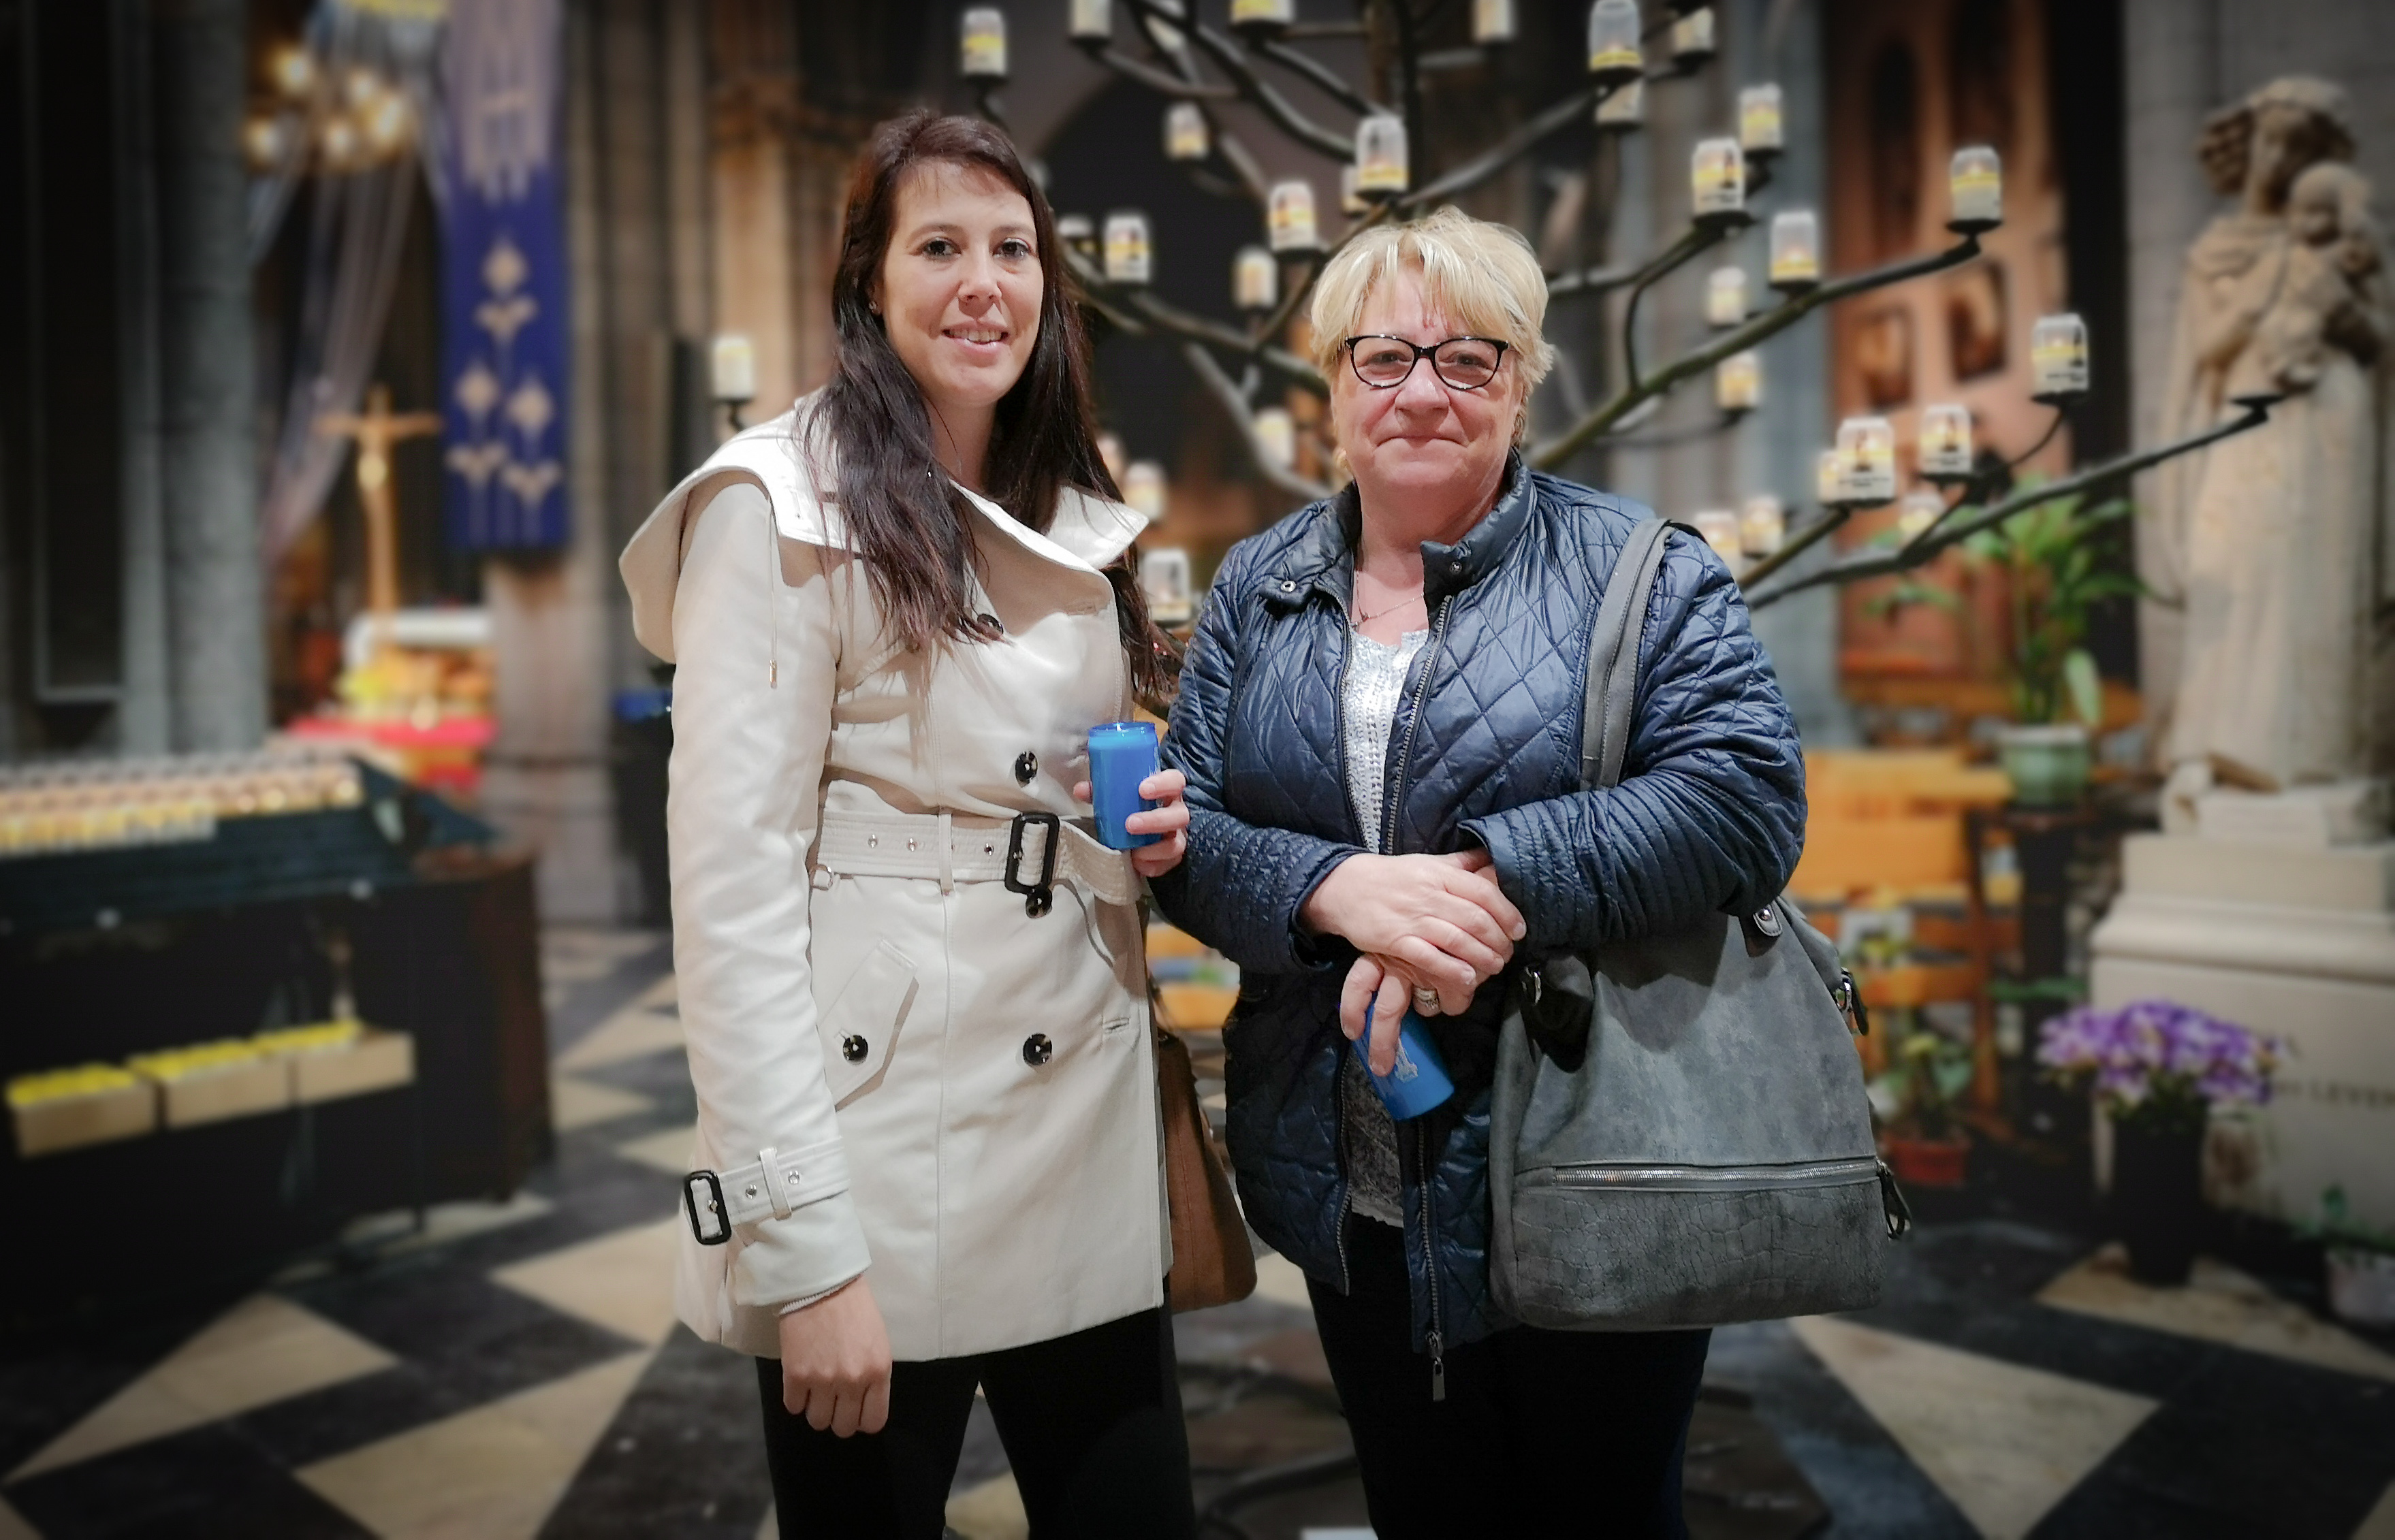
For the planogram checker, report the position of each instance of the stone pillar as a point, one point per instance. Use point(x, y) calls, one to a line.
point(217, 636)
point(145, 712)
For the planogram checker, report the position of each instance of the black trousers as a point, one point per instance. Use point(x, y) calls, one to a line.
point(1092, 1425)
point(1541, 1433)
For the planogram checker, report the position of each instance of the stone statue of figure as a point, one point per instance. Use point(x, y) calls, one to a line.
point(2268, 540)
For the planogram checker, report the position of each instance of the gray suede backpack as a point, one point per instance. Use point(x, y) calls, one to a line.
point(1678, 1135)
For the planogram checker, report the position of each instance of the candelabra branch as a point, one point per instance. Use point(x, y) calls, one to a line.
point(1589, 282)
point(1800, 541)
point(1242, 162)
point(1511, 148)
point(1699, 239)
point(1252, 86)
point(1161, 81)
point(985, 99)
point(1983, 483)
point(1854, 569)
point(1410, 95)
point(1235, 402)
point(1141, 313)
point(1554, 453)
point(1320, 76)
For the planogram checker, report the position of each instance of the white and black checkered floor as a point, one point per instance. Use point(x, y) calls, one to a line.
point(514, 1370)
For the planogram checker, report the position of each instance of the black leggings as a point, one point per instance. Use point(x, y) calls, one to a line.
point(1092, 1425)
point(1542, 1433)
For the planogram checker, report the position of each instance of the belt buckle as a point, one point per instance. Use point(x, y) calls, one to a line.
point(715, 1206)
point(1037, 897)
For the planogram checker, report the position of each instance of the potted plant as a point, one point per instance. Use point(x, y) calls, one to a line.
point(2361, 1263)
point(2158, 1068)
point(2058, 562)
point(1924, 1141)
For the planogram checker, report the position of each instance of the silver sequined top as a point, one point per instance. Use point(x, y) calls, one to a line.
point(1375, 683)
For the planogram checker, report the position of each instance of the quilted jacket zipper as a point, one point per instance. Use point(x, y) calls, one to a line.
point(1432, 1339)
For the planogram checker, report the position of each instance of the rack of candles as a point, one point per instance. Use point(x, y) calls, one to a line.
point(101, 804)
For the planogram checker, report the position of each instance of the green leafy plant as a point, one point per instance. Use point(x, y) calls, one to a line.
point(1918, 1091)
point(2056, 557)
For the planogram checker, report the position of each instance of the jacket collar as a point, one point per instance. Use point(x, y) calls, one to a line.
point(1323, 559)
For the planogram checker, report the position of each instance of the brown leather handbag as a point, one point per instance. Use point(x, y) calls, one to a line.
point(1213, 1263)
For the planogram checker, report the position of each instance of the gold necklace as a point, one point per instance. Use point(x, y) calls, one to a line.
point(1364, 619)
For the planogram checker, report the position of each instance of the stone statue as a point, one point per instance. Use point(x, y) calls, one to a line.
point(2270, 540)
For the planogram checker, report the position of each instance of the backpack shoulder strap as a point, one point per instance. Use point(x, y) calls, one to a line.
point(1613, 654)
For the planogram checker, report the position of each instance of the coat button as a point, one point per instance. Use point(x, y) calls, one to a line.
point(1027, 765)
point(1037, 1050)
point(854, 1049)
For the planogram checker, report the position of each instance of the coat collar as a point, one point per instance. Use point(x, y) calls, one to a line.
point(1323, 559)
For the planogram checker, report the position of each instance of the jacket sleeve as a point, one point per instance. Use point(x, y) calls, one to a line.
point(1710, 810)
point(756, 644)
point(1241, 885)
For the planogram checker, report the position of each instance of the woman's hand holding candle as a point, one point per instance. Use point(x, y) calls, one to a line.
point(1169, 819)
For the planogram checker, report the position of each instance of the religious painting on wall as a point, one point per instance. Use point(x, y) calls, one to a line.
point(1975, 323)
point(1884, 357)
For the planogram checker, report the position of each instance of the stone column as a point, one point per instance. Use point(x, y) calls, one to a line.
point(216, 640)
point(145, 713)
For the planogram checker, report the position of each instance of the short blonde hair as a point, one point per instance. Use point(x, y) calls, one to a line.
point(1481, 276)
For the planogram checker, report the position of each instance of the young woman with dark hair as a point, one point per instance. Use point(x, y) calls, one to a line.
point(913, 985)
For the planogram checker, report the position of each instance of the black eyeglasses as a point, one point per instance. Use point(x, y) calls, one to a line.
point(1461, 363)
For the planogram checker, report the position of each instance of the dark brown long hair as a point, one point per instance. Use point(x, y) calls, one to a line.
point(909, 522)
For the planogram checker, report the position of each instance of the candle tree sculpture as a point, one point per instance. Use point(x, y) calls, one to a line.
point(1171, 48)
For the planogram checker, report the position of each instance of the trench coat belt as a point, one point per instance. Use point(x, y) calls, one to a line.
point(953, 848)
point(767, 1188)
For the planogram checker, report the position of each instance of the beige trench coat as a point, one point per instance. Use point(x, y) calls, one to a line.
point(876, 1022)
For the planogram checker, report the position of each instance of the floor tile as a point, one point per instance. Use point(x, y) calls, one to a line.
point(622, 1280)
point(2380, 1525)
point(492, 1473)
point(2004, 1442)
point(990, 1512)
point(264, 1350)
point(669, 1150)
point(634, 1031)
point(1279, 1280)
point(13, 1525)
point(665, 994)
point(574, 1102)
point(682, 1458)
point(2219, 1304)
point(206, 1484)
point(395, 1233)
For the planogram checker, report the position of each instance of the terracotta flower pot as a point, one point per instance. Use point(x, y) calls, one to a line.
point(2158, 1199)
point(1928, 1162)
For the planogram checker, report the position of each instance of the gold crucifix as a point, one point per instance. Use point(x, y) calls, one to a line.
point(376, 429)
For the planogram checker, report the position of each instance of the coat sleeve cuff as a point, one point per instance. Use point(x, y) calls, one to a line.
point(795, 1260)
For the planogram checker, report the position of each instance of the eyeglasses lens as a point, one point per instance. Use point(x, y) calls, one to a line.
point(1465, 363)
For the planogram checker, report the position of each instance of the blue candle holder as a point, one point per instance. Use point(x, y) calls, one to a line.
point(1418, 1081)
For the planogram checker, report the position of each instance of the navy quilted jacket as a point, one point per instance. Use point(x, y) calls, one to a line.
point(1710, 814)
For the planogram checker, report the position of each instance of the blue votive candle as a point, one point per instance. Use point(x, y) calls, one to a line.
point(1122, 755)
point(1418, 1081)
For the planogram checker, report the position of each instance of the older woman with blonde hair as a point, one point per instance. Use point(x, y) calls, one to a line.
point(1380, 720)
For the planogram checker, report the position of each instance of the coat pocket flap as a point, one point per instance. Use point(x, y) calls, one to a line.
point(860, 1022)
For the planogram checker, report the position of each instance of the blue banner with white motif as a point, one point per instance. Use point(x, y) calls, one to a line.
point(503, 300)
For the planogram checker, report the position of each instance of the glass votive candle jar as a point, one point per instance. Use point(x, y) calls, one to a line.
point(1277, 437)
point(1613, 53)
point(1164, 578)
point(1380, 155)
point(1867, 460)
point(1717, 180)
point(1255, 279)
point(1720, 528)
point(1623, 109)
point(1738, 383)
point(1759, 131)
point(1264, 17)
point(1726, 297)
point(1692, 38)
point(1143, 489)
point(1942, 449)
point(1829, 477)
point(1351, 202)
point(1129, 258)
point(981, 44)
point(1762, 525)
point(1917, 512)
point(1493, 21)
point(1795, 249)
point(1974, 185)
point(1076, 231)
point(2058, 358)
point(1091, 21)
point(1184, 132)
point(1289, 217)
